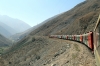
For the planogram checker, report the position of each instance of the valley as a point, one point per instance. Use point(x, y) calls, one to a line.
point(23, 45)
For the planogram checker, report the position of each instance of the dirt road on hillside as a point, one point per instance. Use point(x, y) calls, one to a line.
point(44, 51)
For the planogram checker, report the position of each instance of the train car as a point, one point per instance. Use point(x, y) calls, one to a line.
point(70, 37)
point(97, 42)
point(67, 37)
point(73, 37)
point(50, 36)
point(90, 40)
point(87, 39)
point(63, 36)
point(60, 36)
point(77, 38)
point(53, 36)
point(81, 38)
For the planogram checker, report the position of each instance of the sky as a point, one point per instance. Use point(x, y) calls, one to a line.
point(34, 12)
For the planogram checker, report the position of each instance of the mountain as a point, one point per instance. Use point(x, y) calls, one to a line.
point(44, 51)
point(78, 20)
point(4, 41)
point(11, 26)
point(19, 36)
point(5, 30)
point(40, 50)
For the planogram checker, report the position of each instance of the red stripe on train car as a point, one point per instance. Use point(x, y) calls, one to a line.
point(90, 40)
point(66, 37)
point(81, 38)
point(73, 37)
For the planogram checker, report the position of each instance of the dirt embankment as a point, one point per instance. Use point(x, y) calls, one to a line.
point(44, 51)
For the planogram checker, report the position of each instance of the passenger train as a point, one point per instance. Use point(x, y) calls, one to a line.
point(91, 39)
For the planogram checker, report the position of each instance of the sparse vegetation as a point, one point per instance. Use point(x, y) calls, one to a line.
point(4, 42)
point(76, 47)
point(74, 55)
point(39, 50)
point(33, 39)
point(2, 49)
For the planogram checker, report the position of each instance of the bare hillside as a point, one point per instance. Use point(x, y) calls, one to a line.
point(80, 19)
point(4, 41)
point(44, 51)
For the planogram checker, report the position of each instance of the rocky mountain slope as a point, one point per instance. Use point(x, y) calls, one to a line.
point(19, 36)
point(40, 50)
point(6, 30)
point(81, 18)
point(4, 41)
point(44, 51)
point(10, 26)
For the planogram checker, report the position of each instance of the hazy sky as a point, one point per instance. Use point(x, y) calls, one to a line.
point(35, 11)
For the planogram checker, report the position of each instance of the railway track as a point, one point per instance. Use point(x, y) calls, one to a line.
point(90, 39)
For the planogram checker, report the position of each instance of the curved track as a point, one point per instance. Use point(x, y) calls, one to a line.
point(91, 39)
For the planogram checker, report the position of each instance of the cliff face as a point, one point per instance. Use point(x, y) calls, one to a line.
point(80, 19)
